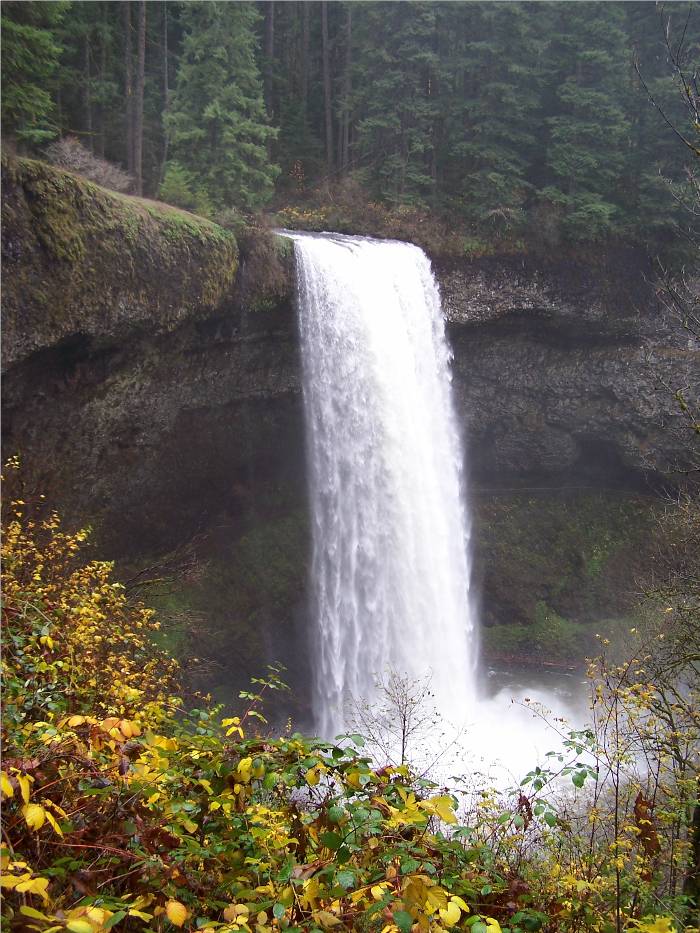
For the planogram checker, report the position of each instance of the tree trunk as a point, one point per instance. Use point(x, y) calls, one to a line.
point(103, 78)
point(327, 90)
point(138, 107)
point(128, 87)
point(305, 32)
point(87, 97)
point(347, 90)
point(269, 56)
point(166, 89)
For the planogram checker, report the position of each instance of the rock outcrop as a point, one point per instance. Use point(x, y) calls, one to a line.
point(567, 372)
point(152, 387)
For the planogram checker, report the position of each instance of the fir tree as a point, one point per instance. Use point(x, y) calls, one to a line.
point(395, 76)
point(588, 66)
point(217, 123)
point(30, 53)
point(496, 81)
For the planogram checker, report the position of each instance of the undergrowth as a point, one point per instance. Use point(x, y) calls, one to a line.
point(124, 809)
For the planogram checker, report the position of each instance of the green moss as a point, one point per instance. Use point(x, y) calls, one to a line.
point(554, 566)
point(75, 253)
point(237, 602)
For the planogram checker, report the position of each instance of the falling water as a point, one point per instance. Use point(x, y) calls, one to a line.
point(390, 533)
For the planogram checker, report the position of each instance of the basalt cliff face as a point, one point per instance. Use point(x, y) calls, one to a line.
point(152, 379)
point(146, 384)
point(563, 371)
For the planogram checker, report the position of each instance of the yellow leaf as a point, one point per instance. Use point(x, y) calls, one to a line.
point(52, 820)
point(377, 892)
point(312, 776)
point(75, 721)
point(109, 723)
point(7, 788)
point(436, 899)
point(450, 915)
point(34, 886)
point(176, 913)
point(245, 766)
point(80, 926)
point(23, 781)
point(235, 910)
point(493, 924)
point(460, 903)
point(34, 815)
point(442, 807)
point(34, 914)
point(326, 919)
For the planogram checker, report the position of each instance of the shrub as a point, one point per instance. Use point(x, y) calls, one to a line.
point(180, 188)
point(70, 154)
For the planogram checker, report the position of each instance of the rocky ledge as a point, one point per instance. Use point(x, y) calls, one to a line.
point(152, 377)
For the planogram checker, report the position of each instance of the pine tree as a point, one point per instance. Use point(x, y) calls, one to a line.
point(216, 122)
point(30, 53)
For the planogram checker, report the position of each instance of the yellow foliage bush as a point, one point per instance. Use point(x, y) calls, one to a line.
point(123, 810)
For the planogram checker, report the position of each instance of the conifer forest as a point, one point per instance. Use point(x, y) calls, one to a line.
point(351, 425)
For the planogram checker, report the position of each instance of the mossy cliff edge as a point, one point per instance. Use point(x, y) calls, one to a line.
point(80, 259)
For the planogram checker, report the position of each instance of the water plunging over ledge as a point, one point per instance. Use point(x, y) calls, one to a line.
point(390, 530)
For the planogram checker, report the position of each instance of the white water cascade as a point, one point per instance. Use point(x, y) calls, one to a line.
point(389, 524)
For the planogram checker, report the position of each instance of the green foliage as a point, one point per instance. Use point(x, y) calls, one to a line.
point(395, 65)
point(216, 121)
point(30, 56)
point(180, 187)
point(520, 125)
point(186, 815)
point(549, 636)
point(123, 809)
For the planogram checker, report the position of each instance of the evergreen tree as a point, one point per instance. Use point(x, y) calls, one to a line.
point(395, 71)
point(216, 122)
point(656, 161)
point(588, 65)
point(494, 109)
point(30, 53)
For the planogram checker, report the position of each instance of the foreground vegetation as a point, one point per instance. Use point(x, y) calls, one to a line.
point(123, 808)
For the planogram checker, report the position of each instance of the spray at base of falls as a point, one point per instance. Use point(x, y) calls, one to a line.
point(390, 532)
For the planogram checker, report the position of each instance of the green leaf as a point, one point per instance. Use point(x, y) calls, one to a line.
point(346, 879)
point(114, 919)
point(278, 910)
point(403, 920)
point(331, 840)
point(335, 814)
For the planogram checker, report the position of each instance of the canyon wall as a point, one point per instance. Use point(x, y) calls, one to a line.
point(151, 380)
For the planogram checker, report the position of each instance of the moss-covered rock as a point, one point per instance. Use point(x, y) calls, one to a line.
point(555, 568)
point(80, 259)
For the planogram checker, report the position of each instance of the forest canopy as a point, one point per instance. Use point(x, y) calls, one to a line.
point(514, 121)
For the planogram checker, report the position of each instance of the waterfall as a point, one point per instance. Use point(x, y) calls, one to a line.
point(390, 567)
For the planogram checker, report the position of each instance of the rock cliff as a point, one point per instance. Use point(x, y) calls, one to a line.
point(152, 388)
